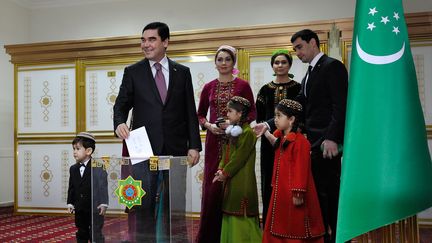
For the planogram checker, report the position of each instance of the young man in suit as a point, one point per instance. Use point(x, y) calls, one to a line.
point(161, 94)
point(323, 96)
point(88, 191)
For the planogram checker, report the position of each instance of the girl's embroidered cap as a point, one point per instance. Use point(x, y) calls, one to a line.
point(291, 104)
point(241, 100)
point(86, 135)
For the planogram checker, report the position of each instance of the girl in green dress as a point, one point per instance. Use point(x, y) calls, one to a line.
point(240, 222)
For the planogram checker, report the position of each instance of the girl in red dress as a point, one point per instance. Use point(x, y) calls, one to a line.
point(294, 213)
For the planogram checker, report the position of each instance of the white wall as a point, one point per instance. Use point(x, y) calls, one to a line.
point(128, 17)
point(14, 28)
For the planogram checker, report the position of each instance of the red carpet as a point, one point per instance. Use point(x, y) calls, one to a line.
point(29, 228)
point(35, 228)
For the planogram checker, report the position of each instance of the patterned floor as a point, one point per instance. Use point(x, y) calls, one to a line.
point(34, 228)
point(28, 228)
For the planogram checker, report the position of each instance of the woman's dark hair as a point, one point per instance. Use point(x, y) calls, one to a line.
point(227, 51)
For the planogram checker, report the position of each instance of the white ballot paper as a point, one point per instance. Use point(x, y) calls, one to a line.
point(138, 145)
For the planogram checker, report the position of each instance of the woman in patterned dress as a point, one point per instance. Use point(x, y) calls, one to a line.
point(283, 87)
point(213, 100)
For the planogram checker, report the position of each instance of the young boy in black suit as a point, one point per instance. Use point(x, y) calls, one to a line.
point(87, 194)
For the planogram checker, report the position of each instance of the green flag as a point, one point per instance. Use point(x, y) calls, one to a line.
point(387, 169)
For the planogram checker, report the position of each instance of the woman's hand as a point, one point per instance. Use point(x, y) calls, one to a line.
point(214, 129)
point(224, 125)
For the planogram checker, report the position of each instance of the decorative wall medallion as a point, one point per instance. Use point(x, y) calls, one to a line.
point(27, 176)
point(46, 175)
point(64, 100)
point(27, 102)
point(45, 101)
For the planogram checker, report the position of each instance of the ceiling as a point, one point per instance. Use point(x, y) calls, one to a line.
point(37, 4)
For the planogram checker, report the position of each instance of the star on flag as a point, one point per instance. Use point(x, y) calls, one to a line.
point(384, 20)
point(373, 11)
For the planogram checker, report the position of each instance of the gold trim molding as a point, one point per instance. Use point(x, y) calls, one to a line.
point(252, 37)
point(180, 42)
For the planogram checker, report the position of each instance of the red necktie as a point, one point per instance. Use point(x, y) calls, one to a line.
point(160, 81)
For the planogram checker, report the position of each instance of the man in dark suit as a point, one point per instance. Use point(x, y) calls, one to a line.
point(160, 92)
point(88, 191)
point(323, 96)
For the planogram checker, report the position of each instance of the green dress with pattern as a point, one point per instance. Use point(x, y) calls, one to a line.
point(240, 222)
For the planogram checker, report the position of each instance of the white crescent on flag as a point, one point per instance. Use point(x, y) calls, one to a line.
point(373, 59)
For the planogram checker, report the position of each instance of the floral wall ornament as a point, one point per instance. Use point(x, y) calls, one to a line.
point(27, 175)
point(64, 100)
point(45, 101)
point(27, 102)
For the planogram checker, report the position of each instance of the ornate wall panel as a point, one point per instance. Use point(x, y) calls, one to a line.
point(43, 170)
point(47, 99)
point(102, 87)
